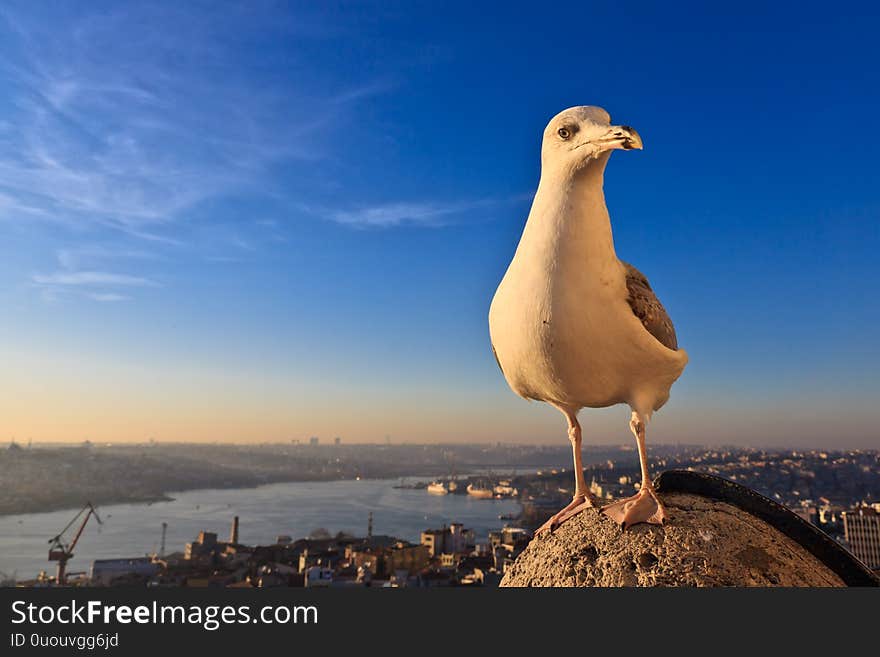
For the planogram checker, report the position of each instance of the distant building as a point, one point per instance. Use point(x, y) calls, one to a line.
point(509, 537)
point(207, 545)
point(204, 545)
point(326, 556)
point(337, 440)
point(433, 540)
point(319, 577)
point(105, 571)
point(451, 540)
point(385, 555)
point(861, 529)
point(313, 441)
point(409, 558)
point(808, 513)
point(506, 545)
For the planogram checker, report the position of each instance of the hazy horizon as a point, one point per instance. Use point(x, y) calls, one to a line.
point(329, 442)
point(253, 223)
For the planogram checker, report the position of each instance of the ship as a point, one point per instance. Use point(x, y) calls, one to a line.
point(480, 492)
point(504, 489)
point(438, 488)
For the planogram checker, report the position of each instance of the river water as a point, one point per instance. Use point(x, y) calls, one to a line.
point(295, 509)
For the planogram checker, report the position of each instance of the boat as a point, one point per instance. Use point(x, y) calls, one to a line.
point(506, 490)
point(438, 488)
point(479, 492)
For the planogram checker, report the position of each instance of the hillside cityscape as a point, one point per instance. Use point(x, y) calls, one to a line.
point(838, 491)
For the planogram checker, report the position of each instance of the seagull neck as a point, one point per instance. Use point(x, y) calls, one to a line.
point(570, 209)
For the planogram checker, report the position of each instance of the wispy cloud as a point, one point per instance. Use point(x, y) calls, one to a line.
point(86, 278)
point(367, 90)
point(78, 277)
point(113, 125)
point(107, 297)
point(76, 257)
point(431, 214)
point(133, 126)
point(394, 214)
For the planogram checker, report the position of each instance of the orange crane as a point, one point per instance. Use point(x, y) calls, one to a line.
point(60, 552)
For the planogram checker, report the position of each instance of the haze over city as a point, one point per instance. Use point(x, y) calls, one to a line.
point(222, 224)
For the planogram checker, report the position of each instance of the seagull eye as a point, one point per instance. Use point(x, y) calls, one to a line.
point(564, 133)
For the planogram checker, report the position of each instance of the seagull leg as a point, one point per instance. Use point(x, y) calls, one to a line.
point(583, 499)
point(644, 506)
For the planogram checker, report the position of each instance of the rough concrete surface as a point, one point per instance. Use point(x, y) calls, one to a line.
point(705, 543)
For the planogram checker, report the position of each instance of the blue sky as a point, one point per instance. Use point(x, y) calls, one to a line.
point(263, 221)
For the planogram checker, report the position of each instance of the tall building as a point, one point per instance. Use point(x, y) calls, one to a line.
point(861, 529)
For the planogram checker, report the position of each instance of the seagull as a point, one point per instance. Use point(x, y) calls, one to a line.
point(573, 326)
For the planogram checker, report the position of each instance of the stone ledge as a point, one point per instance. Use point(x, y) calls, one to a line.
point(708, 542)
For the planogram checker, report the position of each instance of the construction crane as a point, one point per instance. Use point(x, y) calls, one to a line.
point(61, 552)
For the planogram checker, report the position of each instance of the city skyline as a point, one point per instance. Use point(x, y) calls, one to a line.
point(249, 224)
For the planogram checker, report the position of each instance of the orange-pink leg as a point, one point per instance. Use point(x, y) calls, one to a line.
point(583, 499)
point(644, 506)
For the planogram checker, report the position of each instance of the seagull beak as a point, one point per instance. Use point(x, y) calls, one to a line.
point(622, 136)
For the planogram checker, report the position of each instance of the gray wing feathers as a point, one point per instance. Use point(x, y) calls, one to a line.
point(647, 307)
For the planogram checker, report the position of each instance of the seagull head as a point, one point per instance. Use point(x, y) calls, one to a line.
point(580, 135)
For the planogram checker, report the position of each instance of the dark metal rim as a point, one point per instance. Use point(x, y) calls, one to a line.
point(852, 571)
